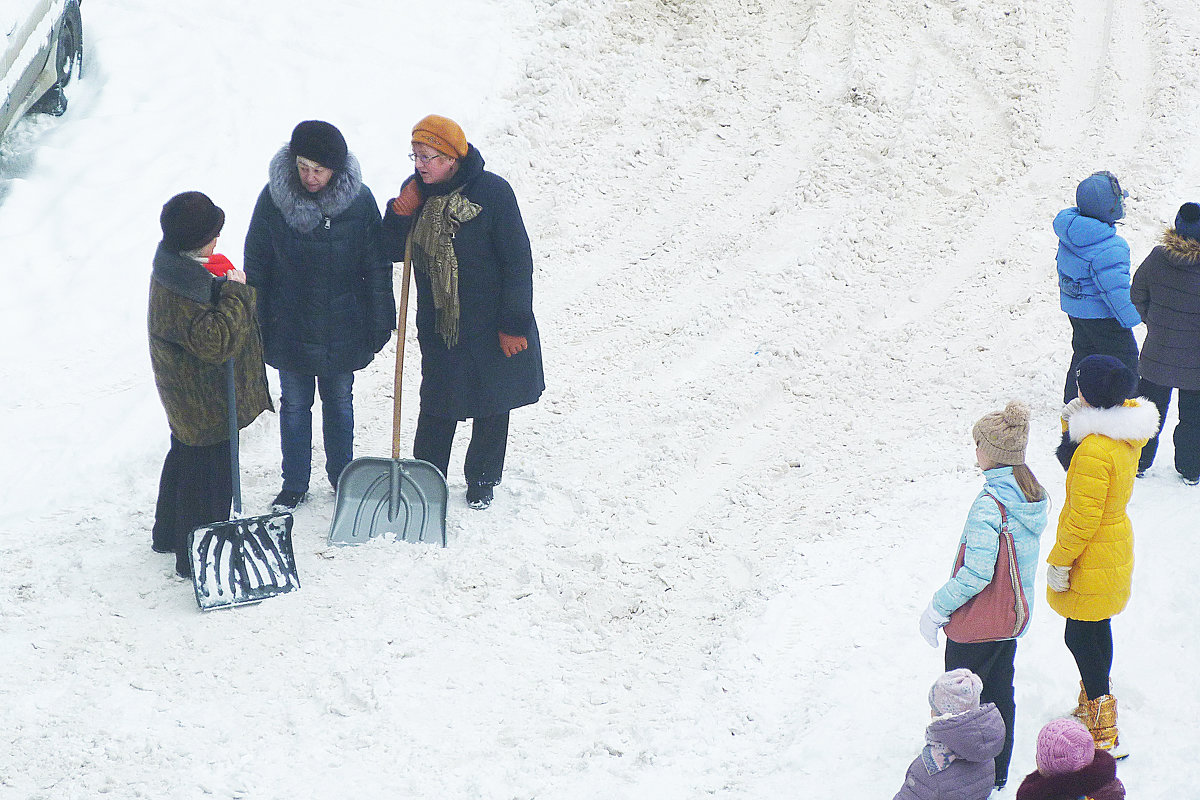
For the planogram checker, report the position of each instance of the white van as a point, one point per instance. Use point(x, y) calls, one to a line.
point(43, 49)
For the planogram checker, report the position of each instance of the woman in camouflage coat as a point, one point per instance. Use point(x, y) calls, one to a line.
point(198, 322)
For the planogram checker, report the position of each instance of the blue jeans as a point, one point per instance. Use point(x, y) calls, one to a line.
point(295, 425)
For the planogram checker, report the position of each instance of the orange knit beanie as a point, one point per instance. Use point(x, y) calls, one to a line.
point(442, 134)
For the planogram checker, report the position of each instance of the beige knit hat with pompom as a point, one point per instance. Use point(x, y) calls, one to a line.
point(1002, 435)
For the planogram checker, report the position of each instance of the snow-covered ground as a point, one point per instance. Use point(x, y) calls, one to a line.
point(787, 252)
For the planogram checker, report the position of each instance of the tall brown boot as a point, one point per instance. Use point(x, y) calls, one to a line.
point(1101, 720)
point(1080, 712)
point(1081, 707)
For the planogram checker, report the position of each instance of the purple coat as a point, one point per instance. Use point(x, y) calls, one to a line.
point(975, 737)
point(1166, 292)
point(1098, 780)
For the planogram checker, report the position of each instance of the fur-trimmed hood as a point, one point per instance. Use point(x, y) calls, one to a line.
point(1136, 421)
point(1097, 780)
point(1181, 250)
point(302, 210)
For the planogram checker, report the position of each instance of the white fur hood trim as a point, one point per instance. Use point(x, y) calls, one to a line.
point(1123, 423)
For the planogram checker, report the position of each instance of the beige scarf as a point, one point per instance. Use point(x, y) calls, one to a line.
point(433, 254)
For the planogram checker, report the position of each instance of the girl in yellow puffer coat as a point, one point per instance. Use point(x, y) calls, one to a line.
point(1090, 568)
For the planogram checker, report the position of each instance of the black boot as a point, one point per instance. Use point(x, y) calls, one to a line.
point(287, 501)
point(479, 495)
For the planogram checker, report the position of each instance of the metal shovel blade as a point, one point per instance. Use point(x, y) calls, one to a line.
point(404, 497)
point(242, 561)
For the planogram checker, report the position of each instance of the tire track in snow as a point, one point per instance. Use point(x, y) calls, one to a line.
point(701, 523)
point(688, 385)
point(967, 312)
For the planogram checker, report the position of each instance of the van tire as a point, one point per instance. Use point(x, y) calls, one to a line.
point(68, 61)
point(68, 57)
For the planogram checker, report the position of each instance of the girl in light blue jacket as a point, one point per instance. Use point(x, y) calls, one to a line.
point(1000, 439)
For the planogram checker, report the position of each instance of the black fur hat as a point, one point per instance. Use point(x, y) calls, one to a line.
point(1104, 381)
point(189, 221)
point(320, 142)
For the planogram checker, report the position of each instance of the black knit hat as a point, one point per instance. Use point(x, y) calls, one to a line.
point(189, 221)
point(1187, 221)
point(320, 142)
point(1104, 381)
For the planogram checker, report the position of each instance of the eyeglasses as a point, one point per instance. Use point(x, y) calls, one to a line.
point(425, 159)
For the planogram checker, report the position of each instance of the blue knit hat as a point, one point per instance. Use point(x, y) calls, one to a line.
point(1104, 381)
point(1187, 221)
point(1100, 196)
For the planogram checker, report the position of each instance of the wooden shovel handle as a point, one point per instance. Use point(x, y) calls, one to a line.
point(401, 324)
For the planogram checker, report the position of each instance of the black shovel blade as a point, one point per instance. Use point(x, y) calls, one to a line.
point(242, 561)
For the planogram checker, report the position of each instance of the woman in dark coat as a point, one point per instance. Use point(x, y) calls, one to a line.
point(313, 252)
point(480, 352)
point(1166, 292)
point(197, 322)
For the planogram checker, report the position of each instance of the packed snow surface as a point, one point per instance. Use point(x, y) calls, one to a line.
point(787, 252)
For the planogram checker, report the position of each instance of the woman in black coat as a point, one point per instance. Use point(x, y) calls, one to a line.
point(314, 253)
point(1166, 292)
point(480, 352)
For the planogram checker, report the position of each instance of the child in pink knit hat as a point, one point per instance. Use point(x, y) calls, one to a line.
point(1070, 766)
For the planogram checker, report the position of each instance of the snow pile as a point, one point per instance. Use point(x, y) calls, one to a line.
point(787, 253)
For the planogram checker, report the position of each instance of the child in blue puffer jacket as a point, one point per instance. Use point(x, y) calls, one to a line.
point(1000, 440)
point(1093, 276)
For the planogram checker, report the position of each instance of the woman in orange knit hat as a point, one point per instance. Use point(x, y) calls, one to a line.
point(480, 352)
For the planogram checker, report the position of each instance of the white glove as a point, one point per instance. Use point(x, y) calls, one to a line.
point(931, 623)
point(1058, 578)
point(1070, 408)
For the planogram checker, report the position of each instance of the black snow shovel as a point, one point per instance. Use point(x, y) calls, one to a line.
point(404, 497)
point(247, 559)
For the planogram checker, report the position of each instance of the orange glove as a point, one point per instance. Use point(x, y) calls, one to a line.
point(409, 199)
point(511, 345)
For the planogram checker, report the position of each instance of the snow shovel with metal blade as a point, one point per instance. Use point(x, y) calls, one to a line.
point(404, 497)
point(244, 560)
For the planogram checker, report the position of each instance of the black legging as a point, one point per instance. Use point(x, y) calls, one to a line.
point(1092, 645)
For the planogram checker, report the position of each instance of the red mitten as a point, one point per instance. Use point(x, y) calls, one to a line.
point(218, 264)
